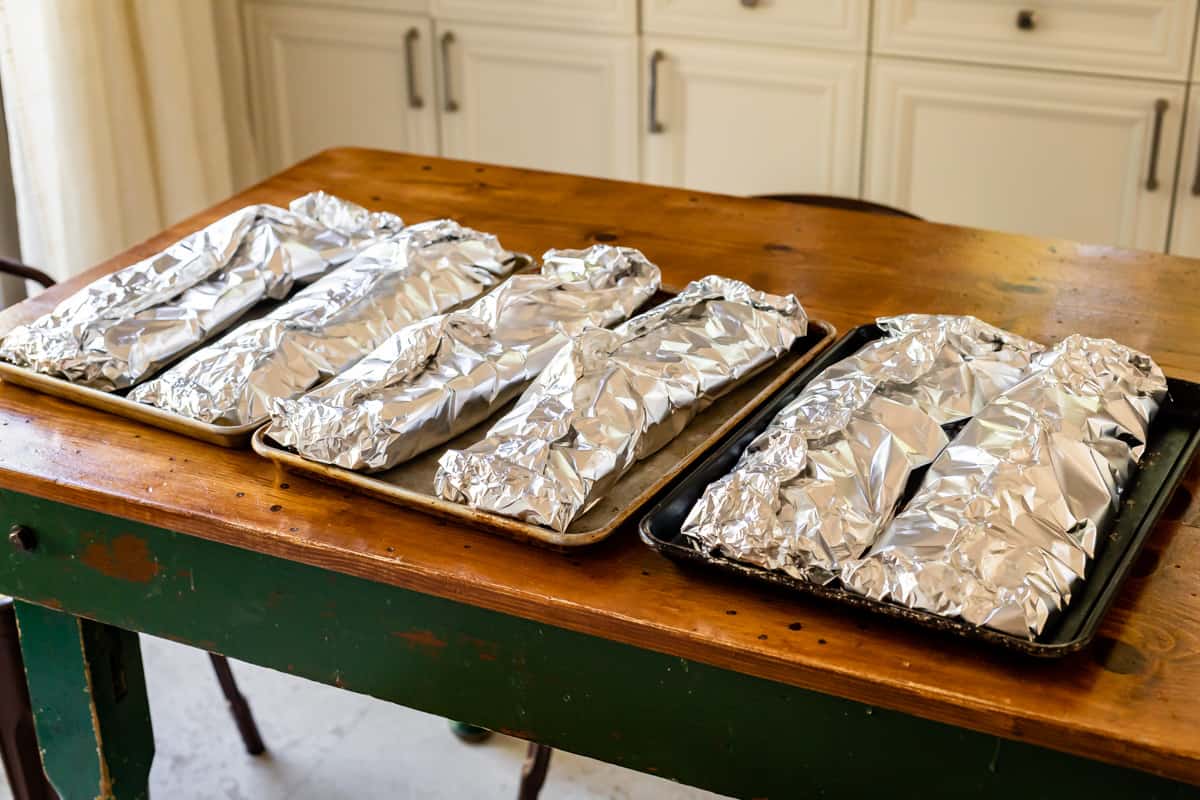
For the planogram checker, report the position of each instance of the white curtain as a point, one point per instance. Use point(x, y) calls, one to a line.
point(122, 119)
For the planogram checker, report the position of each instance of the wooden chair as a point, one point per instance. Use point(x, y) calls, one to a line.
point(18, 742)
point(844, 203)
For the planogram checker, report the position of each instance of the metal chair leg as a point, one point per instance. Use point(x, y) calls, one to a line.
point(18, 741)
point(238, 706)
point(533, 773)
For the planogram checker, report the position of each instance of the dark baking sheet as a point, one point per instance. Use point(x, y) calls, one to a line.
point(1173, 441)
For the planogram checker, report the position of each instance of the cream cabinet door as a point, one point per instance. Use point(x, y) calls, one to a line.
point(327, 78)
point(744, 119)
point(1185, 230)
point(549, 100)
point(1081, 158)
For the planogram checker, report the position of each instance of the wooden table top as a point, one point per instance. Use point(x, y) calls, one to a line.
point(1132, 699)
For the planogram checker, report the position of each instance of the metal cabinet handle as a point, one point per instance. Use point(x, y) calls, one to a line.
point(410, 41)
point(655, 57)
point(1160, 108)
point(450, 103)
point(1026, 19)
point(750, 3)
point(1196, 178)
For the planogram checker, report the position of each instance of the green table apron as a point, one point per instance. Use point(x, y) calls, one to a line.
point(93, 580)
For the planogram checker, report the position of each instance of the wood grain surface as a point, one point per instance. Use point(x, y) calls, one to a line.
point(1131, 699)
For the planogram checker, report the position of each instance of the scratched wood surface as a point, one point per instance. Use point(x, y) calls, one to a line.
point(1132, 699)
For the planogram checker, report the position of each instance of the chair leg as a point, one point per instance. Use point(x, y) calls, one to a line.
point(533, 773)
point(18, 741)
point(238, 706)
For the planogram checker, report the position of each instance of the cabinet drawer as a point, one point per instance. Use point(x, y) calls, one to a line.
point(400, 6)
point(606, 16)
point(840, 24)
point(1142, 38)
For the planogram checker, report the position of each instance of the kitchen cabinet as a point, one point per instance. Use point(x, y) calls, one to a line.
point(742, 119)
point(1137, 38)
point(829, 24)
point(545, 99)
point(603, 16)
point(324, 77)
point(1040, 119)
point(1185, 228)
point(1091, 159)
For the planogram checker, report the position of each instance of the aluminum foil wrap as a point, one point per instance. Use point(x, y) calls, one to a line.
point(434, 379)
point(428, 269)
point(1007, 517)
point(123, 327)
point(611, 398)
point(824, 479)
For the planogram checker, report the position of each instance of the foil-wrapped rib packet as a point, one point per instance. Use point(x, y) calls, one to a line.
point(120, 329)
point(825, 477)
point(435, 379)
point(1007, 518)
point(611, 398)
point(428, 269)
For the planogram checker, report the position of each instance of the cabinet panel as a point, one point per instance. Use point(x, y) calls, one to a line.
point(1185, 231)
point(840, 24)
point(323, 78)
point(1145, 38)
point(403, 6)
point(610, 16)
point(541, 99)
point(740, 119)
point(1025, 152)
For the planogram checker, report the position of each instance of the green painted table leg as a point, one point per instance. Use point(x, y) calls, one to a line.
point(89, 704)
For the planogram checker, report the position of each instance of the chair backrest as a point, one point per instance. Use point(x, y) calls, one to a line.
point(19, 270)
point(844, 203)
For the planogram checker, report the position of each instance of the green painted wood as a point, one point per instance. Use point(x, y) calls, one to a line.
point(90, 709)
point(702, 725)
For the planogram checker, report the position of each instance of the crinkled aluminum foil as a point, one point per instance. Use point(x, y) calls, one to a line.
point(1007, 518)
point(428, 269)
point(435, 379)
point(612, 398)
point(121, 328)
point(823, 480)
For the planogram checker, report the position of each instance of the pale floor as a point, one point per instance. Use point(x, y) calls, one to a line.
point(324, 743)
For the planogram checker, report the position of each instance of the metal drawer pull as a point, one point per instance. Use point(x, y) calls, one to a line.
point(750, 3)
point(450, 103)
point(1196, 179)
point(410, 40)
point(655, 57)
point(1026, 19)
point(1160, 108)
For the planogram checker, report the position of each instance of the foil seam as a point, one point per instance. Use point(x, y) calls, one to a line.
point(427, 269)
point(611, 398)
point(434, 379)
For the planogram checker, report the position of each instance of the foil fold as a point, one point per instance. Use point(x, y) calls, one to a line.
point(427, 269)
point(1008, 517)
point(434, 379)
point(821, 482)
point(613, 397)
point(120, 329)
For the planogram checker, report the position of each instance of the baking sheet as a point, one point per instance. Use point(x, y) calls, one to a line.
point(233, 436)
point(1174, 441)
point(411, 484)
